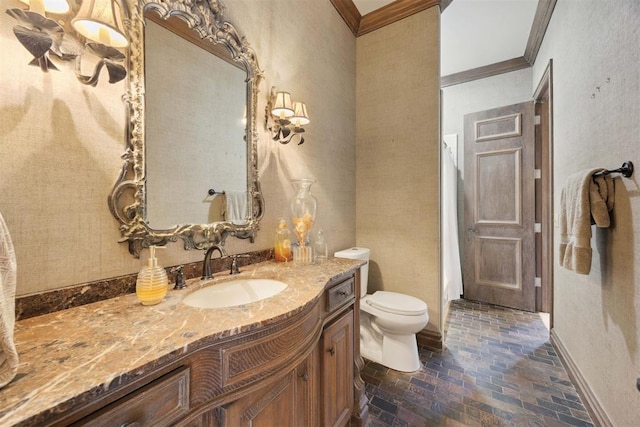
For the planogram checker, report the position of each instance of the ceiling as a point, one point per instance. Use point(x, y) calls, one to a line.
point(479, 34)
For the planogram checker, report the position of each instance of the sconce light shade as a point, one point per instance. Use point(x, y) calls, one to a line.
point(52, 6)
point(285, 119)
point(282, 106)
point(300, 116)
point(101, 21)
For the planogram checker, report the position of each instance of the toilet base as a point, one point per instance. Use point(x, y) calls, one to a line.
point(397, 352)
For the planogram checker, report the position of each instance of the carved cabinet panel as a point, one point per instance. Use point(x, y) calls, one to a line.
point(289, 402)
point(337, 371)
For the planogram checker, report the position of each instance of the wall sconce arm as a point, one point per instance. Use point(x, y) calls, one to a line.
point(43, 37)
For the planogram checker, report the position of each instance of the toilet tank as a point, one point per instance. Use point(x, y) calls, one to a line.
point(358, 253)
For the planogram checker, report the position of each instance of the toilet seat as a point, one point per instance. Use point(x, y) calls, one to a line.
point(395, 303)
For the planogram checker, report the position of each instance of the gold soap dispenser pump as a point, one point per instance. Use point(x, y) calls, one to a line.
point(152, 282)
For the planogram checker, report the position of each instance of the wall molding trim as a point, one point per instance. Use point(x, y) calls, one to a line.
point(384, 16)
point(400, 9)
point(483, 72)
point(591, 402)
point(536, 35)
point(538, 29)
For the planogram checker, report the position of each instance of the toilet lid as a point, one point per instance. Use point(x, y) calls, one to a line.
point(393, 302)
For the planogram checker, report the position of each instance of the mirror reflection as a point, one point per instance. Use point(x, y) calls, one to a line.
point(195, 127)
point(190, 164)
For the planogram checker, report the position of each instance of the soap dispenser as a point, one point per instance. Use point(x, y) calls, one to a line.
point(152, 282)
point(282, 249)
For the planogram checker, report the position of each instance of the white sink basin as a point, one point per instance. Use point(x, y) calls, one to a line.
point(234, 293)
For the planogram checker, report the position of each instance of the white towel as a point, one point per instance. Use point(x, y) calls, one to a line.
point(236, 207)
point(584, 198)
point(8, 353)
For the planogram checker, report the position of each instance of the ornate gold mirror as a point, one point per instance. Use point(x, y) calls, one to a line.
point(190, 163)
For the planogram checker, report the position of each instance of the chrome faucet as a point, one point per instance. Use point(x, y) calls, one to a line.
point(206, 265)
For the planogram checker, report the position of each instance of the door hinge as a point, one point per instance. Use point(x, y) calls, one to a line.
point(537, 120)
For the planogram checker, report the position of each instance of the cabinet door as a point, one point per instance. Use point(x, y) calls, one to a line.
point(159, 403)
point(337, 371)
point(290, 402)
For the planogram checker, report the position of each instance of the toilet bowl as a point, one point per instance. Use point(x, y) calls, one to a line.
point(389, 321)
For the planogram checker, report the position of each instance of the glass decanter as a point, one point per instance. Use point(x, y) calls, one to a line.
point(303, 215)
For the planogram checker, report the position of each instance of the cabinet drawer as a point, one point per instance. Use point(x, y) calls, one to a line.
point(269, 351)
point(159, 403)
point(340, 294)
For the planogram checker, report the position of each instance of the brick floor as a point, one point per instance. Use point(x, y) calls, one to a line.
point(498, 368)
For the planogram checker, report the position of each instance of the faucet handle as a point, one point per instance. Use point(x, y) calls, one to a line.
point(234, 262)
point(180, 284)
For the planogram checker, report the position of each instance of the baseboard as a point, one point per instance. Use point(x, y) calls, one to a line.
point(597, 413)
point(430, 339)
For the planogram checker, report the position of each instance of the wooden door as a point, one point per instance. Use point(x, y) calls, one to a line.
point(499, 204)
point(337, 371)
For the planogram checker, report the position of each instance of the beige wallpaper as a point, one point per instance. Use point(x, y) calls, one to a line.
point(597, 316)
point(398, 157)
point(61, 145)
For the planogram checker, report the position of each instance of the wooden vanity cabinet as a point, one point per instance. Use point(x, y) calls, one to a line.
point(299, 372)
point(320, 390)
point(337, 371)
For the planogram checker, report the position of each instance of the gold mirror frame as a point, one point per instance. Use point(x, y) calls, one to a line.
point(127, 201)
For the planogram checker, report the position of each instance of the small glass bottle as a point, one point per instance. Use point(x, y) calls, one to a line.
point(282, 247)
point(320, 248)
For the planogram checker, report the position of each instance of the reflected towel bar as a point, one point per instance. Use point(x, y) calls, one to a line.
point(213, 192)
point(626, 170)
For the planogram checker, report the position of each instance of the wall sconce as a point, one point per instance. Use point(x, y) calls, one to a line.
point(98, 22)
point(285, 119)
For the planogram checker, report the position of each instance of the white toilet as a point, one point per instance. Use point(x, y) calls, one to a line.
point(389, 321)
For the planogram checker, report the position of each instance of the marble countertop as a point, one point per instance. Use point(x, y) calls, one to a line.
point(65, 354)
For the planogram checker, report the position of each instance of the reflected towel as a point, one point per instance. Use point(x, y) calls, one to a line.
point(8, 353)
point(584, 198)
point(236, 207)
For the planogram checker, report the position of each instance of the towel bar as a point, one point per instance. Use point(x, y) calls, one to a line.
point(626, 170)
point(213, 192)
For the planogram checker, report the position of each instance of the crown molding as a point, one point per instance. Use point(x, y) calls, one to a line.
point(541, 20)
point(349, 13)
point(379, 18)
point(483, 72)
point(538, 29)
point(400, 9)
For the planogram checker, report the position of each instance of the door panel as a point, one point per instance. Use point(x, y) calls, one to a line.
point(498, 170)
point(499, 262)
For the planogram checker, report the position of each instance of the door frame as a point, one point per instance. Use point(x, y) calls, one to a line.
point(544, 135)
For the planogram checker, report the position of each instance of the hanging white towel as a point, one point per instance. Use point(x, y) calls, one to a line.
point(451, 268)
point(8, 353)
point(584, 199)
point(236, 207)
